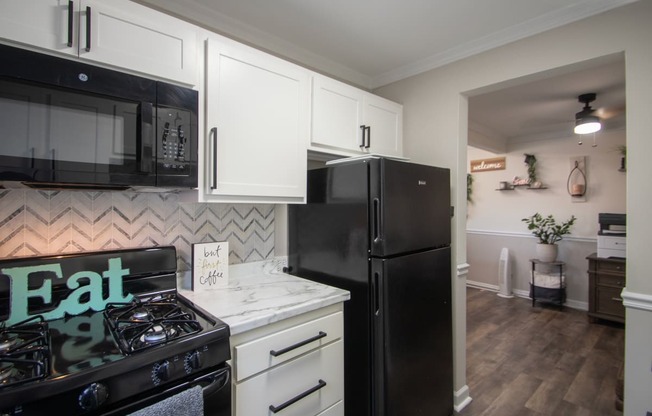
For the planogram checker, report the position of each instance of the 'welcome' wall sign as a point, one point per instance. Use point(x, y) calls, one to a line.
point(485, 165)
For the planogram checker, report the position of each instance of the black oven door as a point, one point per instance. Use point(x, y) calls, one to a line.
point(216, 387)
point(63, 121)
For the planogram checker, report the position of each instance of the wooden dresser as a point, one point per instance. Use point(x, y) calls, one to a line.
point(606, 282)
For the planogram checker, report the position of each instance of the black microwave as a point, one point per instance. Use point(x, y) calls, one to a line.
point(67, 124)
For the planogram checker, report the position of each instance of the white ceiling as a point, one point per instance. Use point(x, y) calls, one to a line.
point(371, 43)
point(545, 108)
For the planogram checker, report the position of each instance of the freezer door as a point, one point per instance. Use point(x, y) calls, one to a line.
point(409, 207)
point(413, 352)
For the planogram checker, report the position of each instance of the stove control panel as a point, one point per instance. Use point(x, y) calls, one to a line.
point(161, 372)
point(193, 361)
point(93, 396)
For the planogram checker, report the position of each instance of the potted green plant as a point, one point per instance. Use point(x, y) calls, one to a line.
point(549, 233)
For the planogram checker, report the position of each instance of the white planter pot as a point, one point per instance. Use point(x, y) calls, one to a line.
point(547, 252)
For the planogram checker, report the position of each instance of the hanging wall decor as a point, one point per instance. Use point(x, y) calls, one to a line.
point(576, 183)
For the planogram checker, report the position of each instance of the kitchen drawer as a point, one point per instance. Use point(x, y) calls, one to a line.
point(256, 356)
point(281, 384)
point(336, 410)
point(617, 280)
point(611, 266)
point(608, 301)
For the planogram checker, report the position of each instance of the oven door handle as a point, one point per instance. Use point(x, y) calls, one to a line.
point(213, 382)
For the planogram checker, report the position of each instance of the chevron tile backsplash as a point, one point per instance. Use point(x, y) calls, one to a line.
point(46, 222)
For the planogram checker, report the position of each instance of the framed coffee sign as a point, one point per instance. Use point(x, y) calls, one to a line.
point(485, 165)
point(210, 265)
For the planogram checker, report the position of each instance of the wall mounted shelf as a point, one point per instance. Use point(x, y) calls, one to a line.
point(528, 187)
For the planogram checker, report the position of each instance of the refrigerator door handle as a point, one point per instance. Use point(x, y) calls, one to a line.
point(376, 294)
point(376, 235)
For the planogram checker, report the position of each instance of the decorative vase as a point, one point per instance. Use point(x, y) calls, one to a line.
point(547, 252)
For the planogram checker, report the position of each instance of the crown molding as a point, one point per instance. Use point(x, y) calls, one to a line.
point(566, 15)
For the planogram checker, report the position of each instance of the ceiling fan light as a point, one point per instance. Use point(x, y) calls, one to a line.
point(587, 124)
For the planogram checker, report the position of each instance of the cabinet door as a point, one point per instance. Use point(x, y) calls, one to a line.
point(118, 33)
point(129, 35)
point(257, 120)
point(50, 24)
point(336, 115)
point(385, 121)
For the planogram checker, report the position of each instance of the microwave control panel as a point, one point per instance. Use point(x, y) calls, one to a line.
point(173, 129)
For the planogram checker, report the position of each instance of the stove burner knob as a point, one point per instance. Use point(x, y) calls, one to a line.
point(161, 372)
point(93, 396)
point(194, 361)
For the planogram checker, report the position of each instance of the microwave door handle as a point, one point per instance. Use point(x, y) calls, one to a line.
point(145, 145)
point(53, 165)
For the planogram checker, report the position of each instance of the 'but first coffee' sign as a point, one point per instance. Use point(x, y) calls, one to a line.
point(210, 265)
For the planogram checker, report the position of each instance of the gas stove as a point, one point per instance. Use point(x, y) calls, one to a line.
point(134, 341)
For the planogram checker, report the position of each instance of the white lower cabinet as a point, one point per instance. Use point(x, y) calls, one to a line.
point(304, 386)
point(293, 367)
point(335, 410)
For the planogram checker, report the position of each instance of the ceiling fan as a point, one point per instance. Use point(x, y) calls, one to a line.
point(586, 121)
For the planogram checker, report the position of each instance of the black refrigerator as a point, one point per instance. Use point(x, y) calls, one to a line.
point(381, 228)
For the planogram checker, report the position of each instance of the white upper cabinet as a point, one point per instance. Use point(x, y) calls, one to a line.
point(349, 121)
point(383, 121)
point(257, 115)
point(336, 115)
point(118, 33)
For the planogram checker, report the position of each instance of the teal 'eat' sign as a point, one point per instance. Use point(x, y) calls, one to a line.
point(83, 297)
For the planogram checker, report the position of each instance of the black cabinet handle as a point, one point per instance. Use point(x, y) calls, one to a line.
point(368, 129)
point(295, 399)
point(213, 133)
point(88, 28)
point(364, 129)
point(320, 335)
point(71, 7)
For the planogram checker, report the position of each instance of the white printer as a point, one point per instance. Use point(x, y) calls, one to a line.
point(612, 235)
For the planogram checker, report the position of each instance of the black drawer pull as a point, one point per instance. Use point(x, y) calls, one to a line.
point(274, 353)
point(295, 399)
point(617, 299)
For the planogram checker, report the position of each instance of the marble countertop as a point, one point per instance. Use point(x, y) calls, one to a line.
point(259, 293)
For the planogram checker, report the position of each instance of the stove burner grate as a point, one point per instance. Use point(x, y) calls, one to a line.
point(147, 322)
point(24, 353)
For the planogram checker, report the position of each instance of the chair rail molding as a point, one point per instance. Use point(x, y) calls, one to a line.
point(634, 300)
point(463, 269)
point(527, 235)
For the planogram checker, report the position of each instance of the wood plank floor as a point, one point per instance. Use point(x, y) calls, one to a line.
point(524, 361)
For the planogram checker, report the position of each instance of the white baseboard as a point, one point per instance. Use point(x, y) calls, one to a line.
point(574, 304)
point(462, 398)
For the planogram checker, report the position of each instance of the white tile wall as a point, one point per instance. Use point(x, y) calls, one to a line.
point(45, 222)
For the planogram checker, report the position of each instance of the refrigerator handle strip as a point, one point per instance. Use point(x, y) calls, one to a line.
point(376, 219)
point(320, 335)
point(376, 289)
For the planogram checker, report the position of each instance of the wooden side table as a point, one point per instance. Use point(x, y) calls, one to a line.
point(561, 291)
